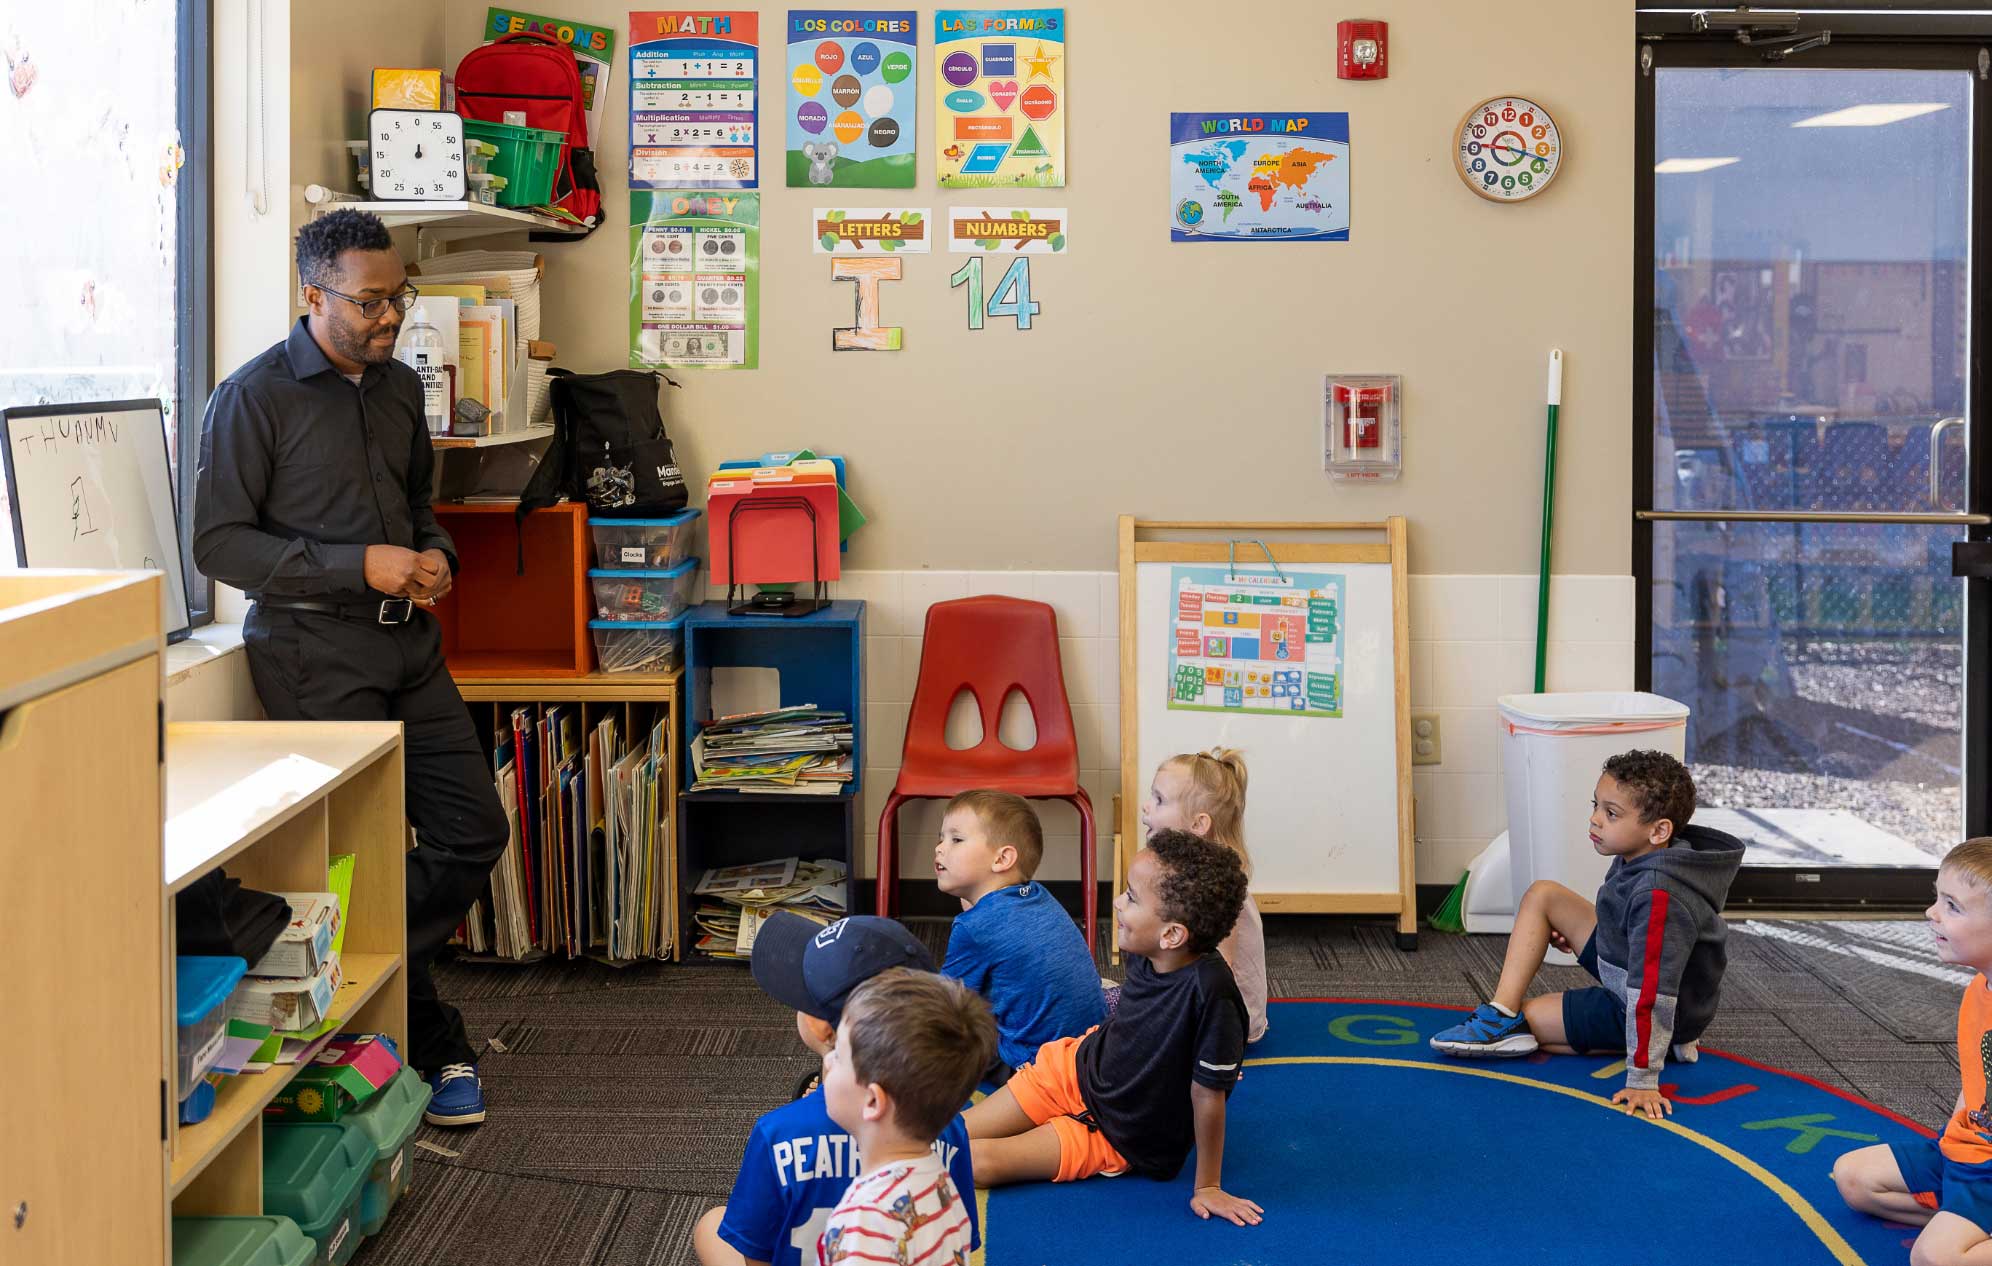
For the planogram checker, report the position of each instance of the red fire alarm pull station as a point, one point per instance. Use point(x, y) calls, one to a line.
point(1364, 48)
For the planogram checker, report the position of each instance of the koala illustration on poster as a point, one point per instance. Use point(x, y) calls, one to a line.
point(822, 156)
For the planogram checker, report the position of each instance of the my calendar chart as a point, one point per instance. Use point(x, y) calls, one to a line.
point(692, 80)
point(1251, 640)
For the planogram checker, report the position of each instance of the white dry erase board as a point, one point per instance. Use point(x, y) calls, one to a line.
point(1296, 652)
point(90, 488)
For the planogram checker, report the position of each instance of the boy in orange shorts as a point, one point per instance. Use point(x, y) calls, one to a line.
point(1134, 1094)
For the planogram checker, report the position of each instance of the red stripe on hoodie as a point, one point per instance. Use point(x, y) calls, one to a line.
point(1649, 975)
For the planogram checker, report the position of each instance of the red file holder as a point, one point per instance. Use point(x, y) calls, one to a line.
point(767, 533)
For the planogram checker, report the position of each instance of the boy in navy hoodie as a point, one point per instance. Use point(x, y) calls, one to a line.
point(1654, 940)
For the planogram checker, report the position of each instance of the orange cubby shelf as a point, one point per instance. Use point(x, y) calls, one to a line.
point(498, 622)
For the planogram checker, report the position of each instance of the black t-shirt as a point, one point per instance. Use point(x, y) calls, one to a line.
point(1135, 1070)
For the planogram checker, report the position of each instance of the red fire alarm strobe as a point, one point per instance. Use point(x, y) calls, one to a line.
point(1363, 46)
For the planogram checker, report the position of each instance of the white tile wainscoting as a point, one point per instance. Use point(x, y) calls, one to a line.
point(1472, 640)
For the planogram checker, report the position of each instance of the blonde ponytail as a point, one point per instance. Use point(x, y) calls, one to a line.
point(1217, 787)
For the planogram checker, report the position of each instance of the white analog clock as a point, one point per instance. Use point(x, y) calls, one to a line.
point(417, 155)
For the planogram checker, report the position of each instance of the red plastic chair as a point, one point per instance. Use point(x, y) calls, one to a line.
point(989, 646)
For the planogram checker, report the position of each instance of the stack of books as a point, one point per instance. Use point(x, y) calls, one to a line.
point(736, 901)
point(792, 750)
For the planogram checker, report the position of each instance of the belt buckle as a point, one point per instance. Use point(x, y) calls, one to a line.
point(407, 610)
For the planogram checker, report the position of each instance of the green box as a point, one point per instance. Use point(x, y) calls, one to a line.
point(312, 1174)
point(528, 159)
point(389, 1120)
point(271, 1241)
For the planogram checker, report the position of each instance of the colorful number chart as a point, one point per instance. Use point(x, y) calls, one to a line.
point(1251, 640)
point(692, 79)
point(1259, 176)
point(853, 99)
point(999, 98)
point(695, 277)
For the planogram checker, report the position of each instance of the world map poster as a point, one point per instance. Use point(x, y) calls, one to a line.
point(1259, 177)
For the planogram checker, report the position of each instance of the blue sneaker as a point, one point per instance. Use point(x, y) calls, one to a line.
point(1487, 1033)
point(456, 1098)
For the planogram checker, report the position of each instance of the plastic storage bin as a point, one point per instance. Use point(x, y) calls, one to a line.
point(313, 1174)
point(388, 1120)
point(642, 594)
point(528, 158)
point(638, 646)
point(200, 989)
point(644, 543)
point(1552, 748)
point(270, 1241)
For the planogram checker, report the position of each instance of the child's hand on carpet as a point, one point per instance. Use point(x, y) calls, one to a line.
point(1654, 1104)
point(1235, 1209)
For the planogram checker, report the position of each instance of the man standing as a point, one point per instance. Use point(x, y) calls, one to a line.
point(314, 498)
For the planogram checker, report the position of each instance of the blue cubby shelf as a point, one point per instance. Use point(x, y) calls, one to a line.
point(821, 660)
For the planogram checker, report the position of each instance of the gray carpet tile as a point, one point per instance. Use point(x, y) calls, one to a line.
point(622, 1096)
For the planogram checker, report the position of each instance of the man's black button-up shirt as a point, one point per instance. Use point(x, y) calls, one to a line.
point(301, 470)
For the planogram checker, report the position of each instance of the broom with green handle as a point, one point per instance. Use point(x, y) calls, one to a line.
point(1450, 916)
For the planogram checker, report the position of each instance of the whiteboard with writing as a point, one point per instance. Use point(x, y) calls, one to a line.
point(90, 487)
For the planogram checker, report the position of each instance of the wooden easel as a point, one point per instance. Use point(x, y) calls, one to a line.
point(1138, 546)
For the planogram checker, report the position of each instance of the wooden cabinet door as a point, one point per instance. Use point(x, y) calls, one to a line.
point(83, 1042)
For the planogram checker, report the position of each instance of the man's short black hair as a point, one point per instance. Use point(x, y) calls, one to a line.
point(1661, 786)
point(321, 241)
point(1202, 886)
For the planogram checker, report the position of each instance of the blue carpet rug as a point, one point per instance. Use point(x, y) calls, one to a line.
point(1366, 1146)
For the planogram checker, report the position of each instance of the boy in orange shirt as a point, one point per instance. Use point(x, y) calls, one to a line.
point(1945, 1185)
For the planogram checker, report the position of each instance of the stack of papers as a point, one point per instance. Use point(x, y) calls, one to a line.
point(736, 901)
point(799, 750)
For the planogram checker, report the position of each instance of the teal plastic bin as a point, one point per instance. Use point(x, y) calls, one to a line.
point(389, 1120)
point(528, 158)
point(270, 1241)
point(313, 1175)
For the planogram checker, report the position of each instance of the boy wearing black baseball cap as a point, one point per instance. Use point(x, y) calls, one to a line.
point(798, 1162)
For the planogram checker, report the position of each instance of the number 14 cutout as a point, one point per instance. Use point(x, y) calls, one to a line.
point(1011, 299)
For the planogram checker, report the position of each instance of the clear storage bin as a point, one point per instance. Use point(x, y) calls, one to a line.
point(638, 646)
point(655, 544)
point(644, 594)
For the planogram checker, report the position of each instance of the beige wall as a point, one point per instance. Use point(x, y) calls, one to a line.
point(1170, 381)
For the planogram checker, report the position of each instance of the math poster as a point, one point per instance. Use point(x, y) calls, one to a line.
point(1257, 641)
point(1259, 176)
point(999, 98)
point(695, 280)
point(853, 99)
point(692, 84)
point(594, 52)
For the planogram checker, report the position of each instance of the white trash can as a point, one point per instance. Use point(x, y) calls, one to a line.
point(1553, 747)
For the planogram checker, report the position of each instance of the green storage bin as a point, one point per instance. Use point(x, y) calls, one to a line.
point(313, 1175)
point(271, 1241)
point(389, 1120)
point(528, 159)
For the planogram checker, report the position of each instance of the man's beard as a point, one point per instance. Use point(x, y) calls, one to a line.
point(360, 348)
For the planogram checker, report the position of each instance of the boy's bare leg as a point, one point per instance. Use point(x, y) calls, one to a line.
point(1544, 1014)
point(711, 1250)
point(1028, 1157)
point(997, 1117)
point(1870, 1181)
point(1950, 1240)
point(1547, 907)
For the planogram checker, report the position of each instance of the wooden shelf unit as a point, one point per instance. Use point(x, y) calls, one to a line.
point(627, 697)
point(272, 802)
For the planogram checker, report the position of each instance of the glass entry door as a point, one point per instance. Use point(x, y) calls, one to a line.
point(1810, 416)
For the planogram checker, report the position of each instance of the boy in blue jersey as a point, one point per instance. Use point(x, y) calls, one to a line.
point(1012, 942)
point(798, 1162)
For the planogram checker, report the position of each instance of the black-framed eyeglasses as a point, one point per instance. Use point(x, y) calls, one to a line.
point(375, 309)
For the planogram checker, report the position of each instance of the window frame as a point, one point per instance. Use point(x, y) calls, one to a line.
point(193, 280)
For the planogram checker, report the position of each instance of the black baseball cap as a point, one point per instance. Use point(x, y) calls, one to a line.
point(802, 964)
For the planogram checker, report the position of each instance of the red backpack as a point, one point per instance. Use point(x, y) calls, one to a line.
point(530, 72)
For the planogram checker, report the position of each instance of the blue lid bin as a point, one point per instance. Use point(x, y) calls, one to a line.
point(389, 1120)
point(313, 1175)
point(653, 544)
point(644, 594)
point(200, 990)
point(268, 1241)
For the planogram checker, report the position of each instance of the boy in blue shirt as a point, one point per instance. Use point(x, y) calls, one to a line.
point(798, 1162)
point(1012, 942)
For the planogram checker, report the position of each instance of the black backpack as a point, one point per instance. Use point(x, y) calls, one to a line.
point(609, 448)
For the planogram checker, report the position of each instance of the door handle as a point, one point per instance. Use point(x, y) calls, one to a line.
point(1936, 459)
point(1971, 559)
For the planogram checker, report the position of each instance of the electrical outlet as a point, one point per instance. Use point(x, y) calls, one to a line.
point(1425, 743)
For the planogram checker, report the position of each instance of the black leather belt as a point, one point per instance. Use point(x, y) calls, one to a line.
point(387, 611)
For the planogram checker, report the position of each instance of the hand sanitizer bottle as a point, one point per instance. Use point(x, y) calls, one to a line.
point(421, 349)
